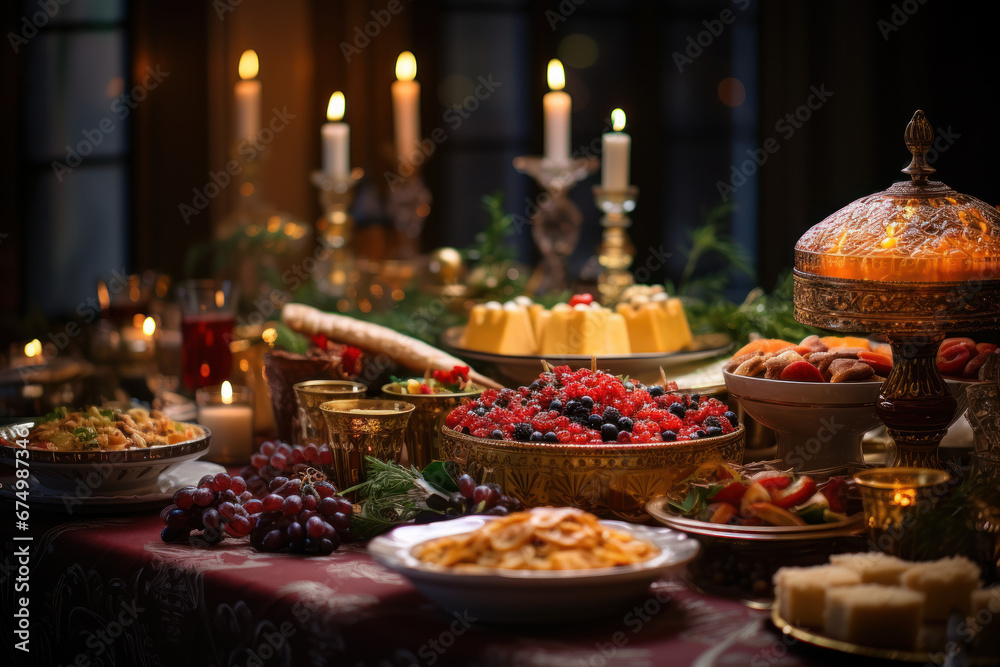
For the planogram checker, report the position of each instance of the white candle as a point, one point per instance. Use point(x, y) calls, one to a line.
point(248, 97)
point(406, 106)
point(336, 139)
point(230, 419)
point(557, 106)
point(615, 161)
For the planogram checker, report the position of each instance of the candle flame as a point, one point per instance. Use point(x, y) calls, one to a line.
point(249, 64)
point(33, 349)
point(148, 326)
point(618, 120)
point(227, 393)
point(556, 75)
point(220, 298)
point(269, 335)
point(335, 109)
point(406, 66)
point(102, 295)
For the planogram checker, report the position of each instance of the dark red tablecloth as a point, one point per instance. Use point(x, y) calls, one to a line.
point(104, 590)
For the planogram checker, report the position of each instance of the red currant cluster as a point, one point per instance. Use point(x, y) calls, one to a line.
point(584, 406)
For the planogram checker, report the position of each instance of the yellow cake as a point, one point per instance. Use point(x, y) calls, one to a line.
point(500, 329)
point(656, 324)
point(874, 615)
point(801, 591)
point(947, 584)
point(583, 329)
point(874, 567)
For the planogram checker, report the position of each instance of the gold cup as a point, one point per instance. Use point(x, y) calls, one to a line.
point(360, 428)
point(894, 501)
point(313, 393)
point(423, 434)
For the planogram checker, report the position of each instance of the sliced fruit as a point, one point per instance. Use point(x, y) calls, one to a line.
point(774, 481)
point(880, 363)
point(846, 341)
point(813, 510)
point(728, 493)
point(755, 493)
point(985, 347)
point(971, 369)
point(952, 360)
point(722, 512)
point(835, 490)
point(772, 345)
point(949, 343)
point(774, 515)
point(801, 371)
point(797, 493)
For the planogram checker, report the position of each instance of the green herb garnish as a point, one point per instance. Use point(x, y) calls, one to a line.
point(109, 414)
point(84, 435)
point(58, 413)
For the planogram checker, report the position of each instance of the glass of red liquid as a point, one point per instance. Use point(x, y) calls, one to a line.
point(208, 310)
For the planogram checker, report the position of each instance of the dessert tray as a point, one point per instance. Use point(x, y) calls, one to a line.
point(523, 369)
point(932, 657)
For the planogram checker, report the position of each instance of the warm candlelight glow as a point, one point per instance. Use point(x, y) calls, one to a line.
point(102, 295)
point(220, 298)
point(148, 326)
point(137, 320)
point(33, 349)
point(227, 393)
point(249, 64)
point(556, 75)
point(270, 335)
point(618, 120)
point(335, 109)
point(406, 66)
point(904, 497)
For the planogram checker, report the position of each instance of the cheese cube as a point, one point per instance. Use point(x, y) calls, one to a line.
point(874, 567)
point(801, 591)
point(947, 584)
point(874, 615)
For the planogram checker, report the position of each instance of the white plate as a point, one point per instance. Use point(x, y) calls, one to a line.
point(84, 501)
point(531, 596)
point(644, 366)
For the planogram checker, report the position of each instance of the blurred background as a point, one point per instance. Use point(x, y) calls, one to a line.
point(769, 115)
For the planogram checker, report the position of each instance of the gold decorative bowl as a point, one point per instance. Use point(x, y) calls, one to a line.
point(611, 480)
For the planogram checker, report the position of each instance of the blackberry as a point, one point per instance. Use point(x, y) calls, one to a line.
point(556, 406)
point(677, 410)
point(713, 431)
point(571, 408)
point(700, 433)
point(587, 402)
point(466, 430)
point(609, 433)
point(497, 434)
point(612, 415)
point(534, 386)
point(655, 390)
point(536, 436)
point(595, 421)
point(522, 432)
point(625, 424)
point(480, 411)
point(733, 419)
point(668, 436)
point(712, 421)
point(696, 398)
point(552, 437)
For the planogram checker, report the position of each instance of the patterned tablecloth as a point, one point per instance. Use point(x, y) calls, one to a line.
point(106, 591)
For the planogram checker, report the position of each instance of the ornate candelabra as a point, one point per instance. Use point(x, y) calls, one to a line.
point(555, 224)
point(616, 252)
point(333, 231)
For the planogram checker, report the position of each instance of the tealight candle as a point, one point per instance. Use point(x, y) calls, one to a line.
point(894, 500)
point(227, 412)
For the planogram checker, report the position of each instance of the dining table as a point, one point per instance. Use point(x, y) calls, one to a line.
point(103, 589)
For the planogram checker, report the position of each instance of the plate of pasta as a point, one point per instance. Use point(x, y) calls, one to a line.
point(544, 565)
point(100, 451)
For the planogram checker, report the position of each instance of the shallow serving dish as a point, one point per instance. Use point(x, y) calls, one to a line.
point(101, 472)
point(522, 370)
point(531, 596)
point(610, 480)
point(819, 425)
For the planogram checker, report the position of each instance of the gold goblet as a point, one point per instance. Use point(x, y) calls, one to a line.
point(423, 434)
point(360, 428)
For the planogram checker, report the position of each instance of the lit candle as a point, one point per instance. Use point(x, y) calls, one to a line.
point(227, 412)
point(406, 106)
point(138, 338)
point(248, 97)
point(557, 105)
point(616, 146)
point(32, 355)
point(336, 139)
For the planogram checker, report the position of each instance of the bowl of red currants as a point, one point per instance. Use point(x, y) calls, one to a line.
point(589, 439)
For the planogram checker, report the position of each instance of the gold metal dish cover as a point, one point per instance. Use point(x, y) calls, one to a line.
point(917, 256)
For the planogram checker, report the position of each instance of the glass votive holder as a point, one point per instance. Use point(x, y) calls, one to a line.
point(208, 312)
point(311, 394)
point(423, 433)
point(227, 411)
point(363, 427)
point(895, 500)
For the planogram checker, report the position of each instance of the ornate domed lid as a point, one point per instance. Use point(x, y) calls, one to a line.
point(916, 231)
point(916, 257)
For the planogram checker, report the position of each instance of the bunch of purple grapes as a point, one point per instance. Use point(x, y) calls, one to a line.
point(280, 459)
point(301, 515)
point(218, 506)
point(471, 498)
